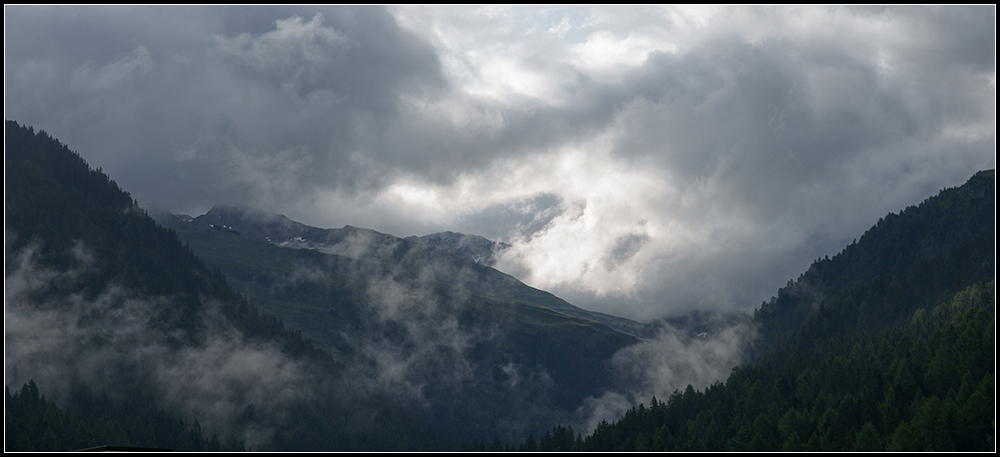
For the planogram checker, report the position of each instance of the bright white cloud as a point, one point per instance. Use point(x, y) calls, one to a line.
point(605, 54)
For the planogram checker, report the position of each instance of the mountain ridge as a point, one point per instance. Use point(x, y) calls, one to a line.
point(280, 230)
point(368, 245)
point(354, 291)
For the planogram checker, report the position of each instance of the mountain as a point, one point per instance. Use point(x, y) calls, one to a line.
point(957, 222)
point(888, 346)
point(219, 334)
point(279, 230)
point(449, 250)
point(114, 318)
point(476, 347)
point(477, 248)
point(246, 330)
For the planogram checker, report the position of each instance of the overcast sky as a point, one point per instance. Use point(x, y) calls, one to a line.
point(642, 161)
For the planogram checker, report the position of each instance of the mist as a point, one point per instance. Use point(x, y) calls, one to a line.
point(434, 343)
point(427, 327)
point(667, 363)
point(109, 344)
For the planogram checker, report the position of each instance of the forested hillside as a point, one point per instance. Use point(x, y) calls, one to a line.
point(889, 345)
point(924, 386)
point(116, 334)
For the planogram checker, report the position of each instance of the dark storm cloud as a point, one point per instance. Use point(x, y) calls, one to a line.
point(240, 104)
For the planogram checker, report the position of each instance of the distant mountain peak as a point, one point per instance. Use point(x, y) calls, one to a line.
point(350, 241)
point(251, 222)
point(246, 212)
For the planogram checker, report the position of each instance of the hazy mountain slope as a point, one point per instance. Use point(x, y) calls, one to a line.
point(449, 250)
point(277, 229)
point(102, 299)
point(72, 219)
point(104, 307)
point(474, 345)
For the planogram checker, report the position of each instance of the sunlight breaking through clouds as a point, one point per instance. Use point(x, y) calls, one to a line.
point(656, 144)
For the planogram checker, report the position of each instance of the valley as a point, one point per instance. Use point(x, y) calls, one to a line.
point(244, 330)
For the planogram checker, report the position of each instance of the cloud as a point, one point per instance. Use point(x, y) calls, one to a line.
point(668, 363)
point(294, 44)
point(671, 157)
point(424, 343)
point(111, 76)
